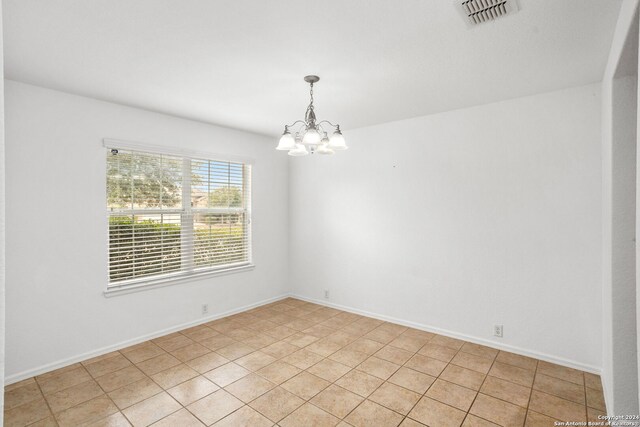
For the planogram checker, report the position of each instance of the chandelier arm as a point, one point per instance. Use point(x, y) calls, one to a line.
point(319, 126)
point(296, 122)
point(298, 130)
point(328, 122)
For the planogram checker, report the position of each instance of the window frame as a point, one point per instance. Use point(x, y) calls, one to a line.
point(186, 211)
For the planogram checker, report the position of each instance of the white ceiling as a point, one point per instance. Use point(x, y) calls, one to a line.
point(240, 63)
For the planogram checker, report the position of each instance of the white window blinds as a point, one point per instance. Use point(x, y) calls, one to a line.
point(173, 216)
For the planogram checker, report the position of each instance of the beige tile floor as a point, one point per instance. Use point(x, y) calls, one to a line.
point(293, 363)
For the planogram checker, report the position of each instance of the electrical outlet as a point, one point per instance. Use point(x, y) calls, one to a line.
point(326, 293)
point(497, 330)
point(205, 308)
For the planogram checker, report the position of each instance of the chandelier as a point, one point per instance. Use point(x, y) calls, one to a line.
point(308, 136)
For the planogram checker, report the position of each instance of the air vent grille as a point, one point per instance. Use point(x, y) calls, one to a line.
point(480, 11)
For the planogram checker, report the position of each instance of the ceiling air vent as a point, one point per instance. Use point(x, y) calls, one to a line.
point(478, 11)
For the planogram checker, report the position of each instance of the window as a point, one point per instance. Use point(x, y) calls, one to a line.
point(174, 216)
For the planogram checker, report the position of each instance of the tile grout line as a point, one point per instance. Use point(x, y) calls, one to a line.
point(400, 367)
point(372, 355)
point(586, 403)
point(429, 387)
point(279, 385)
point(404, 417)
point(440, 374)
point(352, 369)
point(532, 388)
point(361, 336)
point(202, 375)
point(480, 388)
point(91, 378)
point(45, 401)
point(120, 411)
point(237, 321)
point(324, 358)
point(535, 374)
point(384, 381)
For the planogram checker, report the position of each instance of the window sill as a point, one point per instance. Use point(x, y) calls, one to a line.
point(170, 281)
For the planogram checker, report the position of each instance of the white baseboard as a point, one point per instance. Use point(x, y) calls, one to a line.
point(513, 349)
point(104, 350)
point(88, 355)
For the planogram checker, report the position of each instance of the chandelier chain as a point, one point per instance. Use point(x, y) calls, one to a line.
point(310, 116)
point(311, 96)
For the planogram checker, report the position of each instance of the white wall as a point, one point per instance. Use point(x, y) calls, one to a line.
point(2, 222)
point(57, 234)
point(623, 283)
point(619, 141)
point(464, 219)
point(623, 227)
